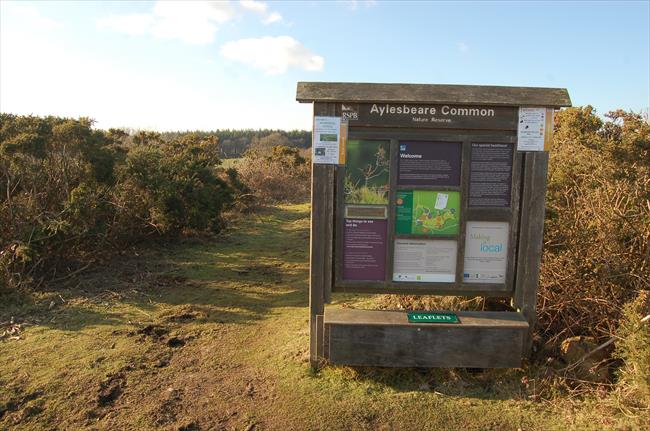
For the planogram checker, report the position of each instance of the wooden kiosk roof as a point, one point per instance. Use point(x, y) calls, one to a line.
point(432, 93)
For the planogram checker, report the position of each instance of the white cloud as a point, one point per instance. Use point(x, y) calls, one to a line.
point(272, 17)
point(273, 55)
point(254, 6)
point(261, 8)
point(134, 25)
point(29, 16)
point(193, 22)
point(42, 74)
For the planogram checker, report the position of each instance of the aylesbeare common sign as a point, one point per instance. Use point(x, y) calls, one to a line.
point(430, 115)
point(434, 196)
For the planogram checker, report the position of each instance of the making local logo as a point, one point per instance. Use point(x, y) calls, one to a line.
point(485, 246)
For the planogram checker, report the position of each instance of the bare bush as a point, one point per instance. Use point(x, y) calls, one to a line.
point(597, 231)
point(278, 174)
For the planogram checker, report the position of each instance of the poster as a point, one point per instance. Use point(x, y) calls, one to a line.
point(531, 130)
point(490, 175)
point(364, 249)
point(423, 212)
point(429, 163)
point(486, 252)
point(425, 260)
point(326, 140)
point(366, 172)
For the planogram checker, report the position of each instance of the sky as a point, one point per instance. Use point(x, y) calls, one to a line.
point(194, 65)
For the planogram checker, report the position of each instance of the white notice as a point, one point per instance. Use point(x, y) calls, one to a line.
point(531, 128)
point(326, 140)
point(486, 252)
point(441, 201)
point(425, 260)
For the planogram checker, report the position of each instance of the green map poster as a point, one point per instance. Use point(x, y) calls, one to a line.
point(421, 212)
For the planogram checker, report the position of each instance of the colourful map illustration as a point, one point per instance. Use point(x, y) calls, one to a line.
point(421, 212)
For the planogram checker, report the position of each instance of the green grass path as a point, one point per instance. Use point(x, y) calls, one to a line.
point(213, 335)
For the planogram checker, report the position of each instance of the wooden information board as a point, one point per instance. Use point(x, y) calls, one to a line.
point(430, 194)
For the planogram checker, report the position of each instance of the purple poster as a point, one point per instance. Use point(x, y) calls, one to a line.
point(364, 249)
point(429, 163)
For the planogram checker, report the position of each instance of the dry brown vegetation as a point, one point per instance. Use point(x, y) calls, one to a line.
point(276, 174)
point(597, 230)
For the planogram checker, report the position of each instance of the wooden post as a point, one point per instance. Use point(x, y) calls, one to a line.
point(531, 238)
point(321, 245)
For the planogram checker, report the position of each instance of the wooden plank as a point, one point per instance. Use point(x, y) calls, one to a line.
point(464, 182)
point(317, 258)
point(321, 245)
point(392, 193)
point(513, 245)
point(376, 338)
point(320, 337)
point(349, 316)
point(438, 135)
point(421, 288)
point(434, 116)
point(401, 346)
point(531, 233)
point(432, 93)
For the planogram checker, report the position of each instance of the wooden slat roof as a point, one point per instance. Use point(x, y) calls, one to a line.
point(432, 93)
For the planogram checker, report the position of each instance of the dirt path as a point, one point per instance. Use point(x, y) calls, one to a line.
point(213, 335)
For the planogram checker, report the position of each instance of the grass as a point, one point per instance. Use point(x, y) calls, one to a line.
point(212, 334)
point(230, 163)
point(366, 195)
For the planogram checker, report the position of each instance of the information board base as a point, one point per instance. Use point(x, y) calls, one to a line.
point(482, 339)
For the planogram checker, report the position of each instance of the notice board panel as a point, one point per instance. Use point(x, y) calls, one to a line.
point(423, 223)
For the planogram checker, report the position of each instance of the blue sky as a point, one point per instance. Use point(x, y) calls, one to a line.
point(208, 65)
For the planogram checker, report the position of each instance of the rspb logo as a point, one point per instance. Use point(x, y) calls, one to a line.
point(350, 111)
point(402, 147)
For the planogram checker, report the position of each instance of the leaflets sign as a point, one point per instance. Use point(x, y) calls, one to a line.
point(364, 249)
point(486, 251)
point(490, 175)
point(429, 163)
point(432, 317)
point(424, 212)
point(425, 260)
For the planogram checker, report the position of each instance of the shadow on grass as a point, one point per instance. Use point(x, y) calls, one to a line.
point(258, 264)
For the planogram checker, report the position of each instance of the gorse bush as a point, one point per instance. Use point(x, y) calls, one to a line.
point(177, 182)
point(277, 174)
point(597, 230)
point(70, 192)
point(633, 348)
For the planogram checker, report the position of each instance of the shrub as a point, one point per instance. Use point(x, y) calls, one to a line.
point(633, 347)
point(279, 174)
point(597, 229)
point(70, 191)
point(179, 182)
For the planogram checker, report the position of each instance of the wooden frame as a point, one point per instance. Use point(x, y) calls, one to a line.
point(525, 214)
